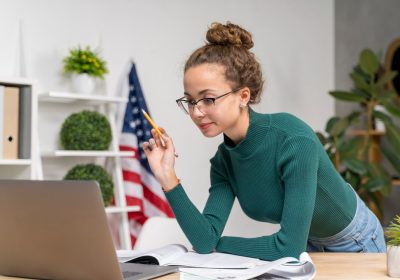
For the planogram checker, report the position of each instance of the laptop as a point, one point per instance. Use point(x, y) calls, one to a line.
point(59, 230)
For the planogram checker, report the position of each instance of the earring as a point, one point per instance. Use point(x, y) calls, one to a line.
point(242, 105)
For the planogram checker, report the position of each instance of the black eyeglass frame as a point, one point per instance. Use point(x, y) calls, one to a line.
point(194, 103)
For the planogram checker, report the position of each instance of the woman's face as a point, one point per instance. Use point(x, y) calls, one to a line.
point(208, 80)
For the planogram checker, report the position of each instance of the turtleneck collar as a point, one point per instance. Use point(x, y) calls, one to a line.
point(258, 126)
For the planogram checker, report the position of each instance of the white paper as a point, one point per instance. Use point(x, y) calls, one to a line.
point(289, 268)
point(215, 260)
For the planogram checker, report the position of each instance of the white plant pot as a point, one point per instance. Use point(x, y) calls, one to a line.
point(393, 261)
point(82, 83)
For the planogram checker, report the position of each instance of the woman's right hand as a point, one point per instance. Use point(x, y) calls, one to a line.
point(161, 159)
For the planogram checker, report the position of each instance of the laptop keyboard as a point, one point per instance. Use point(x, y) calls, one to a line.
point(128, 274)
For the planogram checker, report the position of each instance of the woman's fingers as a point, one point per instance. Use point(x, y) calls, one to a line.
point(167, 140)
point(159, 141)
point(149, 146)
point(146, 148)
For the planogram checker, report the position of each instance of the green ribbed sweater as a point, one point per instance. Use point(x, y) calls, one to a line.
point(280, 173)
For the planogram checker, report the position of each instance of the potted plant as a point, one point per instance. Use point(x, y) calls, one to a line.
point(83, 65)
point(86, 130)
point(393, 250)
point(93, 172)
point(356, 151)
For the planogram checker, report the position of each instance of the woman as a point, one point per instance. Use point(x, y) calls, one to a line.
point(272, 163)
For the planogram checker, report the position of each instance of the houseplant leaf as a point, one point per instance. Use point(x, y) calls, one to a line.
point(349, 149)
point(339, 127)
point(392, 107)
point(359, 80)
point(386, 77)
point(392, 158)
point(362, 92)
point(369, 62)
point(376, 170)
point(393, 136)
point(352, 178)
point(375, 184)
point(354, 117)
point(331, 122)
point(382, 116)
point(357, 166)
point(348, 96)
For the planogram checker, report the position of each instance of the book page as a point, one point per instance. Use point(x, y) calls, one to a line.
point(215, 260)
point(261, 271)
point(160, 256)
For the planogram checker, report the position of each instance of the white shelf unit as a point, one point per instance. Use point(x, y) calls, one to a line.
point(22, 168)
point(54, 107)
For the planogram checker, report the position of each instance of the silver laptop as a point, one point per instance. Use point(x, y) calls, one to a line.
point(59, 230)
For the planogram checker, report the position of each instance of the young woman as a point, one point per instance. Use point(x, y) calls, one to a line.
point(272, 163)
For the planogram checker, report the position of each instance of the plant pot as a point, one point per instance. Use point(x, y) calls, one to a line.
point(393, 261)
point(82, 83)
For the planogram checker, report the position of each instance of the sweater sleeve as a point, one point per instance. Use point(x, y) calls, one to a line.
point(297, 164)
point(203, 230)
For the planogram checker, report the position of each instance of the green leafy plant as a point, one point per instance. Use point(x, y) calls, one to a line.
point(93, 172)
point(81, 61)
point(393, 232)
point(353, 151)
point(86, 130)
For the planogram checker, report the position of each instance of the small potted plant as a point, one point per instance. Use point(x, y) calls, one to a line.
point(94, 172)
point(393, 250)
point(84, 65)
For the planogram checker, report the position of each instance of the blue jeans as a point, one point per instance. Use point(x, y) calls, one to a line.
point(363, 234)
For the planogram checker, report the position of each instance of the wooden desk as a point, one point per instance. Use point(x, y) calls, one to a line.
point(336, 266)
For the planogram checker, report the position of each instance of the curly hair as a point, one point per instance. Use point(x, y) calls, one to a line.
point(228, 45)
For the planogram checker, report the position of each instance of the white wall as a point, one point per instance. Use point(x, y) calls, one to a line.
point(293, 41)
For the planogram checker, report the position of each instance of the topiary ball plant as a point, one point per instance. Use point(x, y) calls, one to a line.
point(86, 130)
point(93, 172)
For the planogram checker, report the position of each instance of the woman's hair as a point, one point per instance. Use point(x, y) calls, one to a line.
point(228, 45)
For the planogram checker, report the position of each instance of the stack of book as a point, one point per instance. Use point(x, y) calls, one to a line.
point(15, 122)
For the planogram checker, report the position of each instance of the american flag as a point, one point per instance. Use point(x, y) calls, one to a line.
point(141, 188)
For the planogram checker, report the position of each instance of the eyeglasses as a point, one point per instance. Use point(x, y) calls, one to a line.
point(204, 104)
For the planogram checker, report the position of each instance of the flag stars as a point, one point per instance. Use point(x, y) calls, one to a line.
point(138, 122)
point(131, 88)
point(135, 110)
point(133, 99)
point(132, 124)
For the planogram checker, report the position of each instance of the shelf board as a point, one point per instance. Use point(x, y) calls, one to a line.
point(15, 162)
point(16, 81)
point(115, 209)
point(66, 97)
point(66, 153)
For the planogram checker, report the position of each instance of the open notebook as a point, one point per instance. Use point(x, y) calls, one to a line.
point(222, 266)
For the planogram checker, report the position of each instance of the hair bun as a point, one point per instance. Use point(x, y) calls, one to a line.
point(229, 34)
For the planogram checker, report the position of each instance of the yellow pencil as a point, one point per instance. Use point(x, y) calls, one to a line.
point(151, 122)
point(156, 128)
